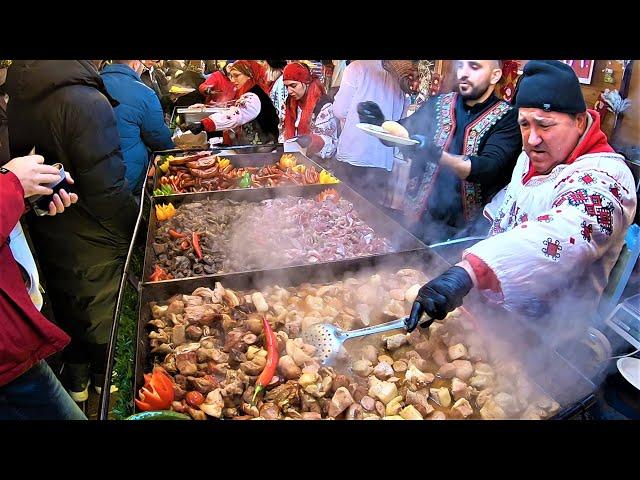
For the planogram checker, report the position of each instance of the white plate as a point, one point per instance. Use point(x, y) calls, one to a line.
point(630, 369)
point(380, 132)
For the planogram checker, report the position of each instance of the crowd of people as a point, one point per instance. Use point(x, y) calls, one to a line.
point(535, 176)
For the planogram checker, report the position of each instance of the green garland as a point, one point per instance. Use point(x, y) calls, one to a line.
point(124, 359)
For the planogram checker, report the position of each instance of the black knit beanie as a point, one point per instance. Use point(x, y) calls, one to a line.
point(551, 86)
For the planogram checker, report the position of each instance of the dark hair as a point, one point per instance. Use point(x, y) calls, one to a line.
point(278, 64)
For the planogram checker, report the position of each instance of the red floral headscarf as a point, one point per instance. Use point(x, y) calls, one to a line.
point(254, 71)
point(300, 73)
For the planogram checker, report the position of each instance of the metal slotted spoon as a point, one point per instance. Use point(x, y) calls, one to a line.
point(328, 339)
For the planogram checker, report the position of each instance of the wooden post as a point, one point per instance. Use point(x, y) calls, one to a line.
point(624, 91)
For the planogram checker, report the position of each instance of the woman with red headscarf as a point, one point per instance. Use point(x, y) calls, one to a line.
point(309, 112)
point(253, 118)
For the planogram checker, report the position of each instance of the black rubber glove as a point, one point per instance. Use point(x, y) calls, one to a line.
point(304, 141)
point(427, 146)
point(369, 112)
point(440, 296)
point(194, 128)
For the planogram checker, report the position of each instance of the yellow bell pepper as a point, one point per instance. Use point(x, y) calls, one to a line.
point(223, 162)
point(287, 160)
point(165, 212)
point(299, 168)
point(326, 177)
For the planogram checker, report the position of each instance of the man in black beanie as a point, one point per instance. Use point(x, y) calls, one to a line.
point(558, 227)
point(468, 145)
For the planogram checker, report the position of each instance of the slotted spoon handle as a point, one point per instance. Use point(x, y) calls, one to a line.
point(383, 327)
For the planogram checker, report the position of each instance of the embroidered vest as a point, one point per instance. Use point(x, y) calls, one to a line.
point(471, 193)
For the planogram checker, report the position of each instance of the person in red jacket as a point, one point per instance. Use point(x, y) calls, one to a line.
point(217, 88)
point(29, 390)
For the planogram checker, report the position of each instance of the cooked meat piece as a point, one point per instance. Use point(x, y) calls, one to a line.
point(417, 378)
point(533, 413)
point(394, 309)
point(186, 363)
point(484, 369)
point(270, 411)
point(483, 396)
point(411, 293)
point(383, 371)
point(380, 408)
point(415, 337)
point(193, 332)
point(441, 396)
point(204, 384)
point(462, 408)
point(284, 395)
point(175, 307)
point(459, 389)
point(339, 381)
point(354, 412)
point(481, 381)
point(396, 341)
point(457, 351)
point(196, 414)
point(448, 370)
point(420, 363)
point(214, 354)
point(178, 334)
point(362, 368)
point(410, 413)
point(386, 358)
point(492, 411)
point(419, 400)
point(383, 391)
point(440, 357)
point(506, 402)
point(192, 300)
point(437, 415)
point(370, 353)
point(288, 369)
point(203, 314)
point(464, 369)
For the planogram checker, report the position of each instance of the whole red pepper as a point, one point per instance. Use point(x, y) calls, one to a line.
point(175, 234)
point(195, 239)
point(157, 392)
point(272, 359)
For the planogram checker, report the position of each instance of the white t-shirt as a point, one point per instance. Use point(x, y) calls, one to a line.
point(364, 80)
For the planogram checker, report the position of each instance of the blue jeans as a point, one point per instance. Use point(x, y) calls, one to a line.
point(37, 395)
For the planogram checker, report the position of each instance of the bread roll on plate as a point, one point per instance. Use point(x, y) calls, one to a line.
point(394, 128)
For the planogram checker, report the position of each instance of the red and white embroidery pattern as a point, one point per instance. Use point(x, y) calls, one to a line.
point(546, 218)
point(586, 231)
point(586, 179)
point(552, 248)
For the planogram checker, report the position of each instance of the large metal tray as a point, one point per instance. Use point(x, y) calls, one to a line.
point(246, 160)
point(400, 239)
point(426, 260)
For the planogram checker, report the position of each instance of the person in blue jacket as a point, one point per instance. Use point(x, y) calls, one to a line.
point(139, 117)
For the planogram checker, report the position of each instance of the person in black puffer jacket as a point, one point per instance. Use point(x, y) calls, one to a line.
point(62, 108)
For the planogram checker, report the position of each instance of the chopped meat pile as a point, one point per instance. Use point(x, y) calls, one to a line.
point(236, 236)
point(212, 341)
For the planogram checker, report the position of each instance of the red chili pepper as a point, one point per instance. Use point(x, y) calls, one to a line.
point(175, 234)
point(195, 239)
point(272, 359)
point(157, 392)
